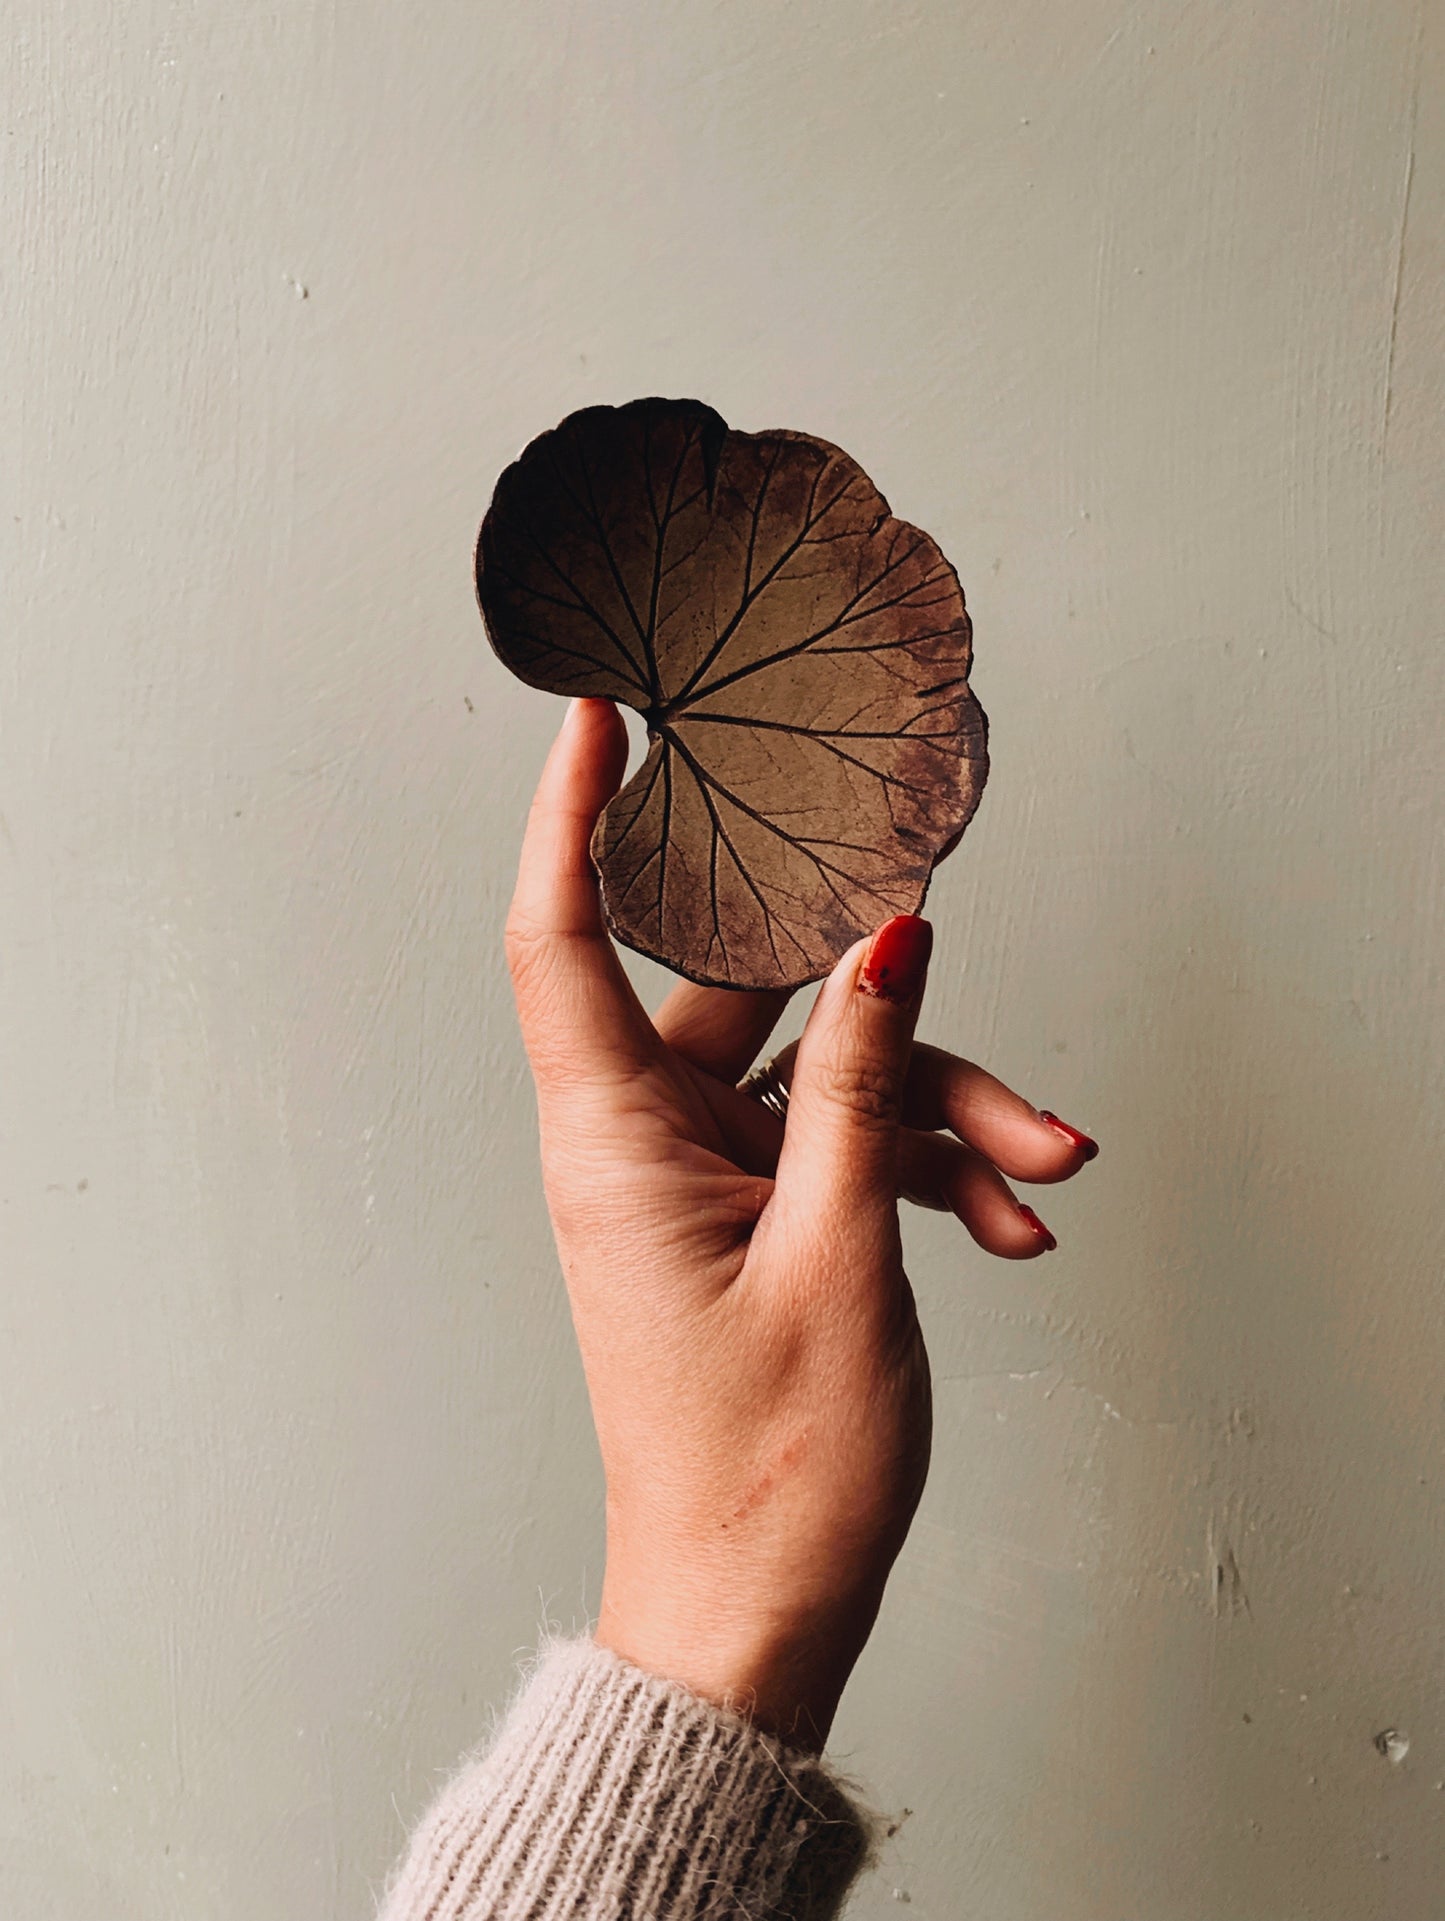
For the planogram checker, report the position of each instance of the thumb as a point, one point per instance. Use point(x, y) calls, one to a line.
point(840, 1148)
point(580, 1018)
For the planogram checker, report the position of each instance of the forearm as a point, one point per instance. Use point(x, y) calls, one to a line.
point(608, 1792)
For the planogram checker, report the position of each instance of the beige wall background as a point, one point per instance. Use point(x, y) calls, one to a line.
point(1138, 308)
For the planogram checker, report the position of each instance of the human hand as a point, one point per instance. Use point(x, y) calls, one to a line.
point(753, 1356)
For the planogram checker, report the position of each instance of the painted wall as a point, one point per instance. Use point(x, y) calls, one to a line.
point(1139, 309)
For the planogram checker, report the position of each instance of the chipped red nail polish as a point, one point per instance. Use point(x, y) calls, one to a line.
point(897, 960)
point(1090, 1147)
point(1037, 1225)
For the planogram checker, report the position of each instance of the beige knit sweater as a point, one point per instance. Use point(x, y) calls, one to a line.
point(615, 1796)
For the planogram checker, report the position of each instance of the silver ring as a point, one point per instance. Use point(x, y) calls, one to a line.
point(767, 1086)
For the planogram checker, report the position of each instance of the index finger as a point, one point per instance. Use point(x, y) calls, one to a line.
point(577, 1008)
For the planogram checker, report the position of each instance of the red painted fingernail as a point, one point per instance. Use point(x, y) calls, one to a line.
point(897, 960)
point(1090, 1147)
point(1037, 1225)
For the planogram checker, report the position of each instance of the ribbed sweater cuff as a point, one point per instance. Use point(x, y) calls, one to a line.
point(611, 1794)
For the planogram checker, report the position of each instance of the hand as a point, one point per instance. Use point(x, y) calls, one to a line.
point(753, 1356)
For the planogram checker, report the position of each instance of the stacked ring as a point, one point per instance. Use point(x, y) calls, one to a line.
point(767, 1086)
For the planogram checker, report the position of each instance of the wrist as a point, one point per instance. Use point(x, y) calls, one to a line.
point(785, 1676)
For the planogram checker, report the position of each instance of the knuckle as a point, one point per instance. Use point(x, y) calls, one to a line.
point(869, 1091)
point(526, 943)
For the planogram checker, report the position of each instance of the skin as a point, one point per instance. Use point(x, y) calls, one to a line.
point(756, 1369)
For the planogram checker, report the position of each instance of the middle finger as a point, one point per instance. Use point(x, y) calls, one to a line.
point(944, 1091)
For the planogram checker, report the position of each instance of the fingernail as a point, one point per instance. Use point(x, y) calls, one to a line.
point(1090, 1147)
point(1037, 1225)
point(896, 962)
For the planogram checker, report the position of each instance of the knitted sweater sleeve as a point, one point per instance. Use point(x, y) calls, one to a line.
point(609, 1794)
